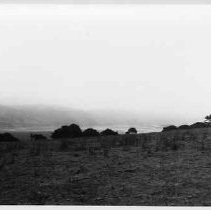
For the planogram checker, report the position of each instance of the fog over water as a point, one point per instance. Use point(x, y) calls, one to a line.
point(149, 61)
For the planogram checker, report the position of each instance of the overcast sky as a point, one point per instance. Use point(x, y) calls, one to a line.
point(144, 58)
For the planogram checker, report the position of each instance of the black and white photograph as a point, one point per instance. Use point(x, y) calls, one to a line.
point(105, 103)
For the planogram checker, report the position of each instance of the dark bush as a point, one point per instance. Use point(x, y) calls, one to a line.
point(90, 132)
point(169, 128)
point(108, 132)
point(183, 127)
point(131, 131)
point(198, 125)
point(7, 137)
point(71, 131)
point(38, 137)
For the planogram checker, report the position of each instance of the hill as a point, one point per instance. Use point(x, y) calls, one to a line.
point(40, 117)
point(48, 118)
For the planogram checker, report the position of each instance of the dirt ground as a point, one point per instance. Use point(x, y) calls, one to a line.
point(43, 174)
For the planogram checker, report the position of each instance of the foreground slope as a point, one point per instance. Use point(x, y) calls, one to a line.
point(122, 170)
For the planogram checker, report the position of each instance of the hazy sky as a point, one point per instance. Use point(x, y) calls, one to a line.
point(145, 58)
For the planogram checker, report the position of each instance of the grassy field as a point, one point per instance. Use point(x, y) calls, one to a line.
point(170, 169)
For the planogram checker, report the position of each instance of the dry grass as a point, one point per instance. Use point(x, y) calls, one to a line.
point(115, 171)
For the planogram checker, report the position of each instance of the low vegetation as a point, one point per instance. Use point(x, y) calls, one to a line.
point(205, 124)
point(169, 168)
point(7, 137)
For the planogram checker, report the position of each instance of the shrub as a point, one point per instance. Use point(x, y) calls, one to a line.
point(71, 131)
point(198, 125)
point(38, 137)
point(7, 137)
point(108, 132)
point(183, 127)
point(169, 128)
point(131, 131)
point(90, 132)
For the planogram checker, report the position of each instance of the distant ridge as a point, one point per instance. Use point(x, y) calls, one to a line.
point(40, 117)
point(48, 118)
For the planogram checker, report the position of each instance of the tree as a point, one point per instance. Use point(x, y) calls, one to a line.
point(108, 132)
point(90, 132)
point(169, 128)
point(131, 131)
point(208, 119)
point(71, 131)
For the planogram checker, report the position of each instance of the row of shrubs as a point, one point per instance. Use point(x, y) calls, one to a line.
point(74, 131)
point(71, 131)
point(183, 127)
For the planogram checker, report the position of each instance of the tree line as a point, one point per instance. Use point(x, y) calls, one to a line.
point(74, 131)
point(205, 124)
